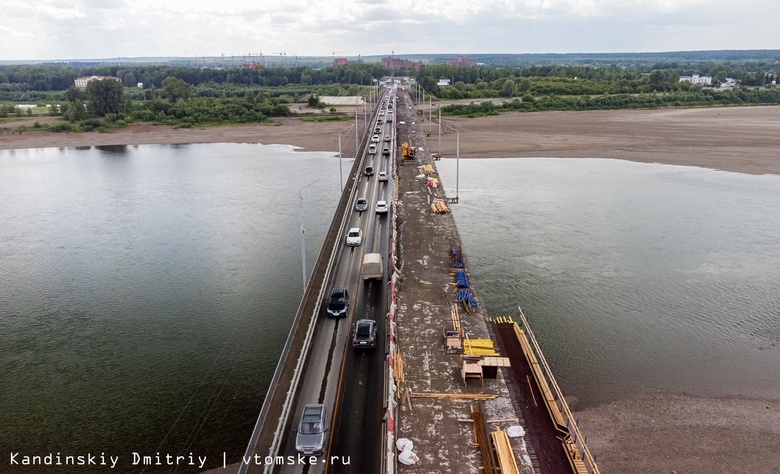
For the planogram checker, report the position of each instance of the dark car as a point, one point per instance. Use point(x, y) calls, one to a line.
point(361, 204)
point(369, 170)
point(385, 151)
point(338, 303)
point(364, 335)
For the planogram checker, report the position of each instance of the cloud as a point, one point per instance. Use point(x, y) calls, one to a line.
point(96, 28)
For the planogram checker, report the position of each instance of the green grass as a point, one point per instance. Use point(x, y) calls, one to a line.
point(327, 118)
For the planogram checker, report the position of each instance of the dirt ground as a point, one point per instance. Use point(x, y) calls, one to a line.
point(740, 139)
point(652, 433)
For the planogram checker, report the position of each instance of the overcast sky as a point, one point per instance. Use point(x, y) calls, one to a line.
point(91, 29)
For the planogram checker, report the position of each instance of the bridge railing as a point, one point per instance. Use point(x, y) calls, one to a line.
point(576, 448)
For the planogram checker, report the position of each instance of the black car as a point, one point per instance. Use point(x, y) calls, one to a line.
point(364, 335)
point(361, 204)
point(369, 170)
point(338, 303)
point(385, 151)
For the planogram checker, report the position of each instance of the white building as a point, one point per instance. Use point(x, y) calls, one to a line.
point(81, 82)
point(443, 82)
point(696, 79)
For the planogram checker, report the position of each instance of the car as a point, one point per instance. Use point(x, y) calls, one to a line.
point(387, 138)
point(354, 237)
point(364, 335)
point(382, 176)
point(312, 431)
point(381, 112)
point(385, 151)
point(379, 122)
point(375, 139)
point(369, 171)
point(377, 130)
point(338, 304)
point(372, 149)
point(361, 204)
point(381, 207)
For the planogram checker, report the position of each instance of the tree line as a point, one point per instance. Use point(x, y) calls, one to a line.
point(187, 96)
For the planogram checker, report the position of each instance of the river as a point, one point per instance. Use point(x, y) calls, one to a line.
point(146, 291)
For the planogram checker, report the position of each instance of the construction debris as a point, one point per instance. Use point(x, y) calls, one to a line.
point(483, 442)
point(438, 207)
point(427, 170)
point(504, 453)
point(456, 396)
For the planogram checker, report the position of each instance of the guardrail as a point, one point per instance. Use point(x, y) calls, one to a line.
point(277, 404)
point(580, 457)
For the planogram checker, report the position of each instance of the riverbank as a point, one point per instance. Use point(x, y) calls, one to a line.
point(738, 139)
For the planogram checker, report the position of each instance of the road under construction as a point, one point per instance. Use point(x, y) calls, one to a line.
point(448, 387)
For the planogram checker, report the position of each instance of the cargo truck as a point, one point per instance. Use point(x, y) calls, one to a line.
point(372, 267)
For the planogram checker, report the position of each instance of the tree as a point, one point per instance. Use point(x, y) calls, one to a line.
point(74, 93)
point(175, 89)
point(508, 89)
point(314, 101)
point(106, 96)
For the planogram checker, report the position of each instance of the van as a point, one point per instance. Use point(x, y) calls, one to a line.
point(372, 267)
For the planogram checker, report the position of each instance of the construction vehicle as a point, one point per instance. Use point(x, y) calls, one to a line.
point(408, 151)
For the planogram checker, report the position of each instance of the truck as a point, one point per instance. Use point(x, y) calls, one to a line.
point(372, 267)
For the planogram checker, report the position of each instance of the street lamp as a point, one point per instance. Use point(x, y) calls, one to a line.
point(341, 176)
point(303, 242)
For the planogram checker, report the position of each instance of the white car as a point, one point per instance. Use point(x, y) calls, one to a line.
point(381, 207)
point(382, 176)
point(375, 139)
point(354, 237)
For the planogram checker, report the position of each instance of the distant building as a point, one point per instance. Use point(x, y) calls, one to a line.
point(443, 82)
point(398, 63)
point(251, 65)
point(81, 82)
point(697, 79)
point(340, 61)
point(140, 85)
point(461, 61)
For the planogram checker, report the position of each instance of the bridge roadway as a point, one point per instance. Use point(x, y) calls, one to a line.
point(350, 384)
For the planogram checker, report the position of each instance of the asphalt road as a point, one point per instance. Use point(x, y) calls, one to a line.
point(351, 384)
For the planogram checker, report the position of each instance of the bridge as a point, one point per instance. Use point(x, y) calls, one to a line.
point(364, 391)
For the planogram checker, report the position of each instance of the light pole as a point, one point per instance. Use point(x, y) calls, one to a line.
point(356, 131)
point(341, 176)
point(303, 241)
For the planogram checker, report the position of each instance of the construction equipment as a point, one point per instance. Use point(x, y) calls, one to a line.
point(408, 151)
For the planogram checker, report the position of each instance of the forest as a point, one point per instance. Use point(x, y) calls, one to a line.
point(187, 96)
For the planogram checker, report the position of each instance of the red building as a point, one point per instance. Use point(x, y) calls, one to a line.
point(340, 61)
point(398, 63)
point(461, 61)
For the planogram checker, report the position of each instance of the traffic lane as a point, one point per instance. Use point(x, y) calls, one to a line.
point(320, 381)
point(358, 422)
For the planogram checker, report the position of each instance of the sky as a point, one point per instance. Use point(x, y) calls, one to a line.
point(95, 29)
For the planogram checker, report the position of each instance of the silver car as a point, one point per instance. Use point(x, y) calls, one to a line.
point(312, 430)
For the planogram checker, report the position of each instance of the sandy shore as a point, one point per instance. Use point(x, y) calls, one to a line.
point(645, 434)
point(740, 139)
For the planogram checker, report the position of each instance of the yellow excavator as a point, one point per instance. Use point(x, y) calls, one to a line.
point(408, 151)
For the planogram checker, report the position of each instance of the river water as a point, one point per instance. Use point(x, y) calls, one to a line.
point(146, 291)
point(634, 276)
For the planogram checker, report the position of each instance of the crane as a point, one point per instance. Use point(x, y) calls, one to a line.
point(283, 54)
